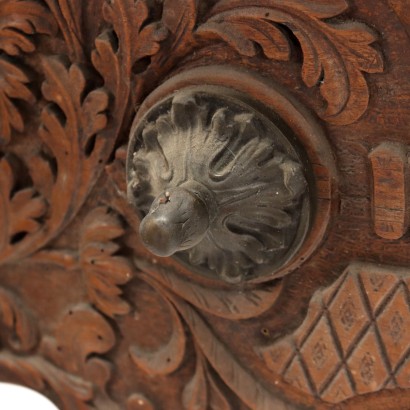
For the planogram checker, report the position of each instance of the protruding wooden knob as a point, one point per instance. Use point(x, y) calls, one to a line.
point(177, 220)
point(218, 183)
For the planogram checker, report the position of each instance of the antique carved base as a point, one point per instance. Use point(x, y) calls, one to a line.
point(205, 204)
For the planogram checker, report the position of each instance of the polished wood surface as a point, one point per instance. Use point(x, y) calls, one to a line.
point(92, 319)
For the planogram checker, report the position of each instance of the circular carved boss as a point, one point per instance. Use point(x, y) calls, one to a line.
point(220, 184)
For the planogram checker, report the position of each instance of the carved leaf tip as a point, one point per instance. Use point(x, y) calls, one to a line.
point(136, 41)
point(104, 270)
point(243, 32)
point(335, 55)
point(20, 211)
point(21, 19)
point(345, 89)
point(202, 392)
point(13, 86)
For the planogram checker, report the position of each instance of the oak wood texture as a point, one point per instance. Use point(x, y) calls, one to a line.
point(93, 320)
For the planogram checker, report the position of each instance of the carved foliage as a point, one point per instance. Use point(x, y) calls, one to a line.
point(335, 55)
point(119, 50)
point(13, 84)
point(224, 303)
point(68, 16)
point(103, 269)
point(80, 383)
point(203, 391)
point(78, 139)
point(20, 210)
point(139, 41)
point(73, 341)
point(18, 21)
point(72, 133)
point(132, 54)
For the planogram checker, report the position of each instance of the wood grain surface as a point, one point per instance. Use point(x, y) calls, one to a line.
point(91, 319)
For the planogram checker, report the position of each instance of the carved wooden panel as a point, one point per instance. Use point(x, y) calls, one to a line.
point(204, 204)
point(354, 339)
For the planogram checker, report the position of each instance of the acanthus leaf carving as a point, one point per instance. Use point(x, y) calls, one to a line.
point(210, 350)
point(242, 32)
point(104, 270)
point(216, 397)
point(18, 20)
point(33, 370)
point(68, 16)
point(180, 26)
point(81, 336)
point(80, 332)
point(128, 42)
point(17, 324)
point(250, 390)
point(19, 211)
point(75, 127)
point(202, 392)
point(135, 40)
point(70, 131)
point(335, 55)
point(13, 85)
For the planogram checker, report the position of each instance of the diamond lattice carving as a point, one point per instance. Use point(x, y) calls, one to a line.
point(355, 338)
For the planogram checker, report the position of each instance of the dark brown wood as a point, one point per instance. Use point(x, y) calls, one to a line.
point(91, 318)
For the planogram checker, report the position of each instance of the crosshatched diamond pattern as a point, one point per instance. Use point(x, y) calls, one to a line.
point(348, 313)
point(394, 327)
point(320, 354)
point(355, 338)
